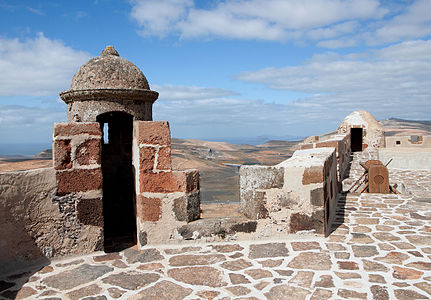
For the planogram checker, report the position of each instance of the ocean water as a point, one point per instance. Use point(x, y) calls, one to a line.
point(23, 149)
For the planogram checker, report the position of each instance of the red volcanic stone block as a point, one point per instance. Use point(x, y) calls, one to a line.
point(312, 175)
point(62, 154)
point(192, 180)
point(164, 161)
point(146, 158)
point(153, 132)
point(148, 209)
point(70, 129)
point(90, 211)
point(89, 152)
point(78, 180)
point(163, 182)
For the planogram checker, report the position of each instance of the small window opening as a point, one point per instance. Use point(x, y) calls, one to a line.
point(106, 133)
point(414, 138)
point(398, 142)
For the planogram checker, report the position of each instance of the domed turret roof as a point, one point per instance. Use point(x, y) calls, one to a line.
point(109, 71)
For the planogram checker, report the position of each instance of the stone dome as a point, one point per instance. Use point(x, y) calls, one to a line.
point(109, 71)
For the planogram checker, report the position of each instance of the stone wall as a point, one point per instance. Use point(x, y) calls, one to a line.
point(415, 141)
point(296, 195)
point(166, 199)
point(341, 143)
point(78, 173)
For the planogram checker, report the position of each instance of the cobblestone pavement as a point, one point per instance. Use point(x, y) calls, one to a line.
point(380, 249)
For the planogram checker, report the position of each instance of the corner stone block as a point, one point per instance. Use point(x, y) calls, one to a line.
point(78, 180)
point(170, 182)
point(89, 152)
point(62, 154)
point(302, 221)
point(312, 175)
point(253, 204)
point(152, 132)
point(72, 129)
point(148, 209)
point(90, 211)
point(187, 208)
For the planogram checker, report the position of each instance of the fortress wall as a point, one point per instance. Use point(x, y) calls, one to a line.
point(165, 199)
point(415, 141)
point(296, 195)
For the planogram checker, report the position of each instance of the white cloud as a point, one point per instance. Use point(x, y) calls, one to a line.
point(36, 67)
point(175, 92)
point(254, 19)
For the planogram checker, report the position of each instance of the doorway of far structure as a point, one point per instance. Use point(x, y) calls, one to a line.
point(356, 139)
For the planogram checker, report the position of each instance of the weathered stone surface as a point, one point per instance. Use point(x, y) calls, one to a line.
point(406, 273)
point(24, 293)
point(313, 261)
point(131, 280)
point(321, 294)
point(347, 265)
point(193, 260)
point(271, 263)
point(209, 295)
point(361, 238)
point(106, 257)
point(115, 293)
point(236, 265)
point(154, 133)
point(385, 236)
point(379, 292)
point(164, 161)
point(419, 240)
point(206, 276)
point(393, 258)
point(62, 154)
point(312, 175)
point(421, 265)
point(227, 248)
point(281, 291)
point(376, 278)
point(404, 294)
point(317, 197)
point(349, 294)
point(424, 286)
point(347, 275)
point(89, 152)
point(301, 221)
point(238, 290)
point(78, 180)
point(303, 246)
point(261, 285)
point(151, 266)
point(238, 278)
point(142, 256)
point(82, 274)
point(361, 229)
point(90, 211)
point(324, 281)
point(72, 129)
point(335, 247)
point(148, 209)
point(364, 251)
point(372, 266)
point(85, 291)
point(302, 279)
point(258, 273)
point(164, 290)
point(284, 272)
point(268, 250)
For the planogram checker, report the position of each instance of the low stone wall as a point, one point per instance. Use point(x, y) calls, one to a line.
point(34, 223)
point(410, 141)
point(296, 195)
point(341, 143)
point(166, 199)
point(406, 158)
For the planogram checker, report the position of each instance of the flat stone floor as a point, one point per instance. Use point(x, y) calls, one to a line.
point(380, 249)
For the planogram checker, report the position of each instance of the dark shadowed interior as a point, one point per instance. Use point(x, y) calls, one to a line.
point(356, 139)
point(118, 183)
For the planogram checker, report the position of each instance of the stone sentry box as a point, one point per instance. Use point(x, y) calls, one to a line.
point(298, 194)
point(115, 161)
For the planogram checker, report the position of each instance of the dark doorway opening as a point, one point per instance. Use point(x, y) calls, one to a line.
point(118, 181)
point(356, 139)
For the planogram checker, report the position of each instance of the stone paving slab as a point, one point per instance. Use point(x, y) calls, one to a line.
point(380, 248)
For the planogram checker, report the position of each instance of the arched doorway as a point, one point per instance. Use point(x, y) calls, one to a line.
point(118, 183)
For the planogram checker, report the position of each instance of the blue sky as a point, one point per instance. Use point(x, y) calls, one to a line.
point(225, 70)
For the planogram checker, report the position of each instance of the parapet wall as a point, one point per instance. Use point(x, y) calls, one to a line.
point(298, 194)
point(410, 141)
